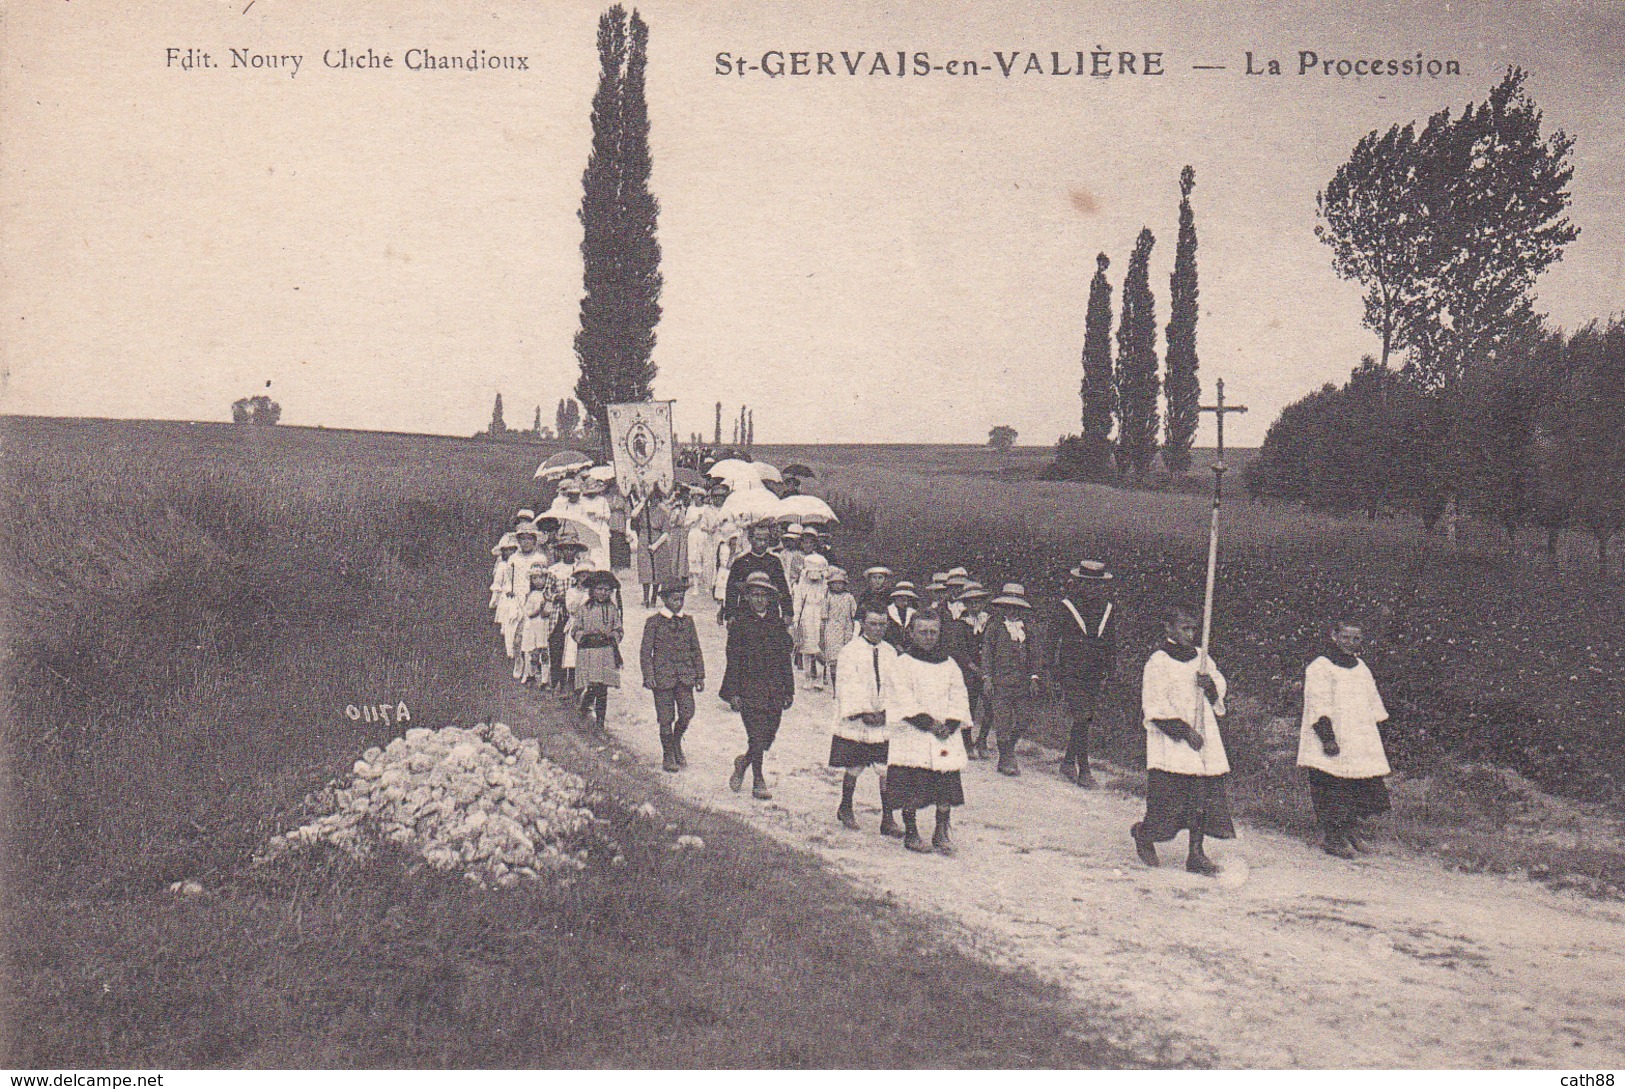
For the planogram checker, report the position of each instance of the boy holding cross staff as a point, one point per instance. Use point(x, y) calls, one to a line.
point(1182, 695)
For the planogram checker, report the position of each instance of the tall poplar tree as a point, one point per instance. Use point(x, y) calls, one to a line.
point(718, 434)
point(499, 426)
point(620, 254)
point(1137, 384)
point(1099, 396)
point(1180, 386)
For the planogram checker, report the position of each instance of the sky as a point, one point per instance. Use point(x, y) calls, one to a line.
point(858, 258)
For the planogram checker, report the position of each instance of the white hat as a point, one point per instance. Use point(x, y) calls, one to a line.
point(508, 541)
point(1013, 594)
point(1093, 570)
point(526, 513)
point(877, 571)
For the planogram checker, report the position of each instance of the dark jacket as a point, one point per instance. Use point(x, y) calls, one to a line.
point(1005, 662)
point(671, 653)
point(965, 647)
point(1079, 659)
point(734, 605)
point(759, 650)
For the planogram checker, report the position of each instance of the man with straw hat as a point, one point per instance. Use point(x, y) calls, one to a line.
point(1012, 667)
point(1083, 648)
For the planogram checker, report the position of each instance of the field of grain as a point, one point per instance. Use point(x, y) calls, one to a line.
point(189, 612)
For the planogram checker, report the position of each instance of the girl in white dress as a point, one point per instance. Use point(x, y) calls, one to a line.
point(808, 596)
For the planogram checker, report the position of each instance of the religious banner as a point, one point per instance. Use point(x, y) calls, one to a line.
point(640, 441)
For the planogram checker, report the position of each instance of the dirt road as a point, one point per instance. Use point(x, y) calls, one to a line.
point(1290, 958)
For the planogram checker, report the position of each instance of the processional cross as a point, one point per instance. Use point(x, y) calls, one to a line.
point(1219, 410)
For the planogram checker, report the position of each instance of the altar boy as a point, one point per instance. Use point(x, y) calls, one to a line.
point(1185, 762)
point(1339, 746)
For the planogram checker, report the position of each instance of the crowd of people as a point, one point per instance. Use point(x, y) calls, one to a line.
point(923, 673)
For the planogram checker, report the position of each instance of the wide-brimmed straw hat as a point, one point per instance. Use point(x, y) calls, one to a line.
point(972, 591)
point(886, 571)
point(675, 586)
point(570, 485)
point(905, 591)
point(794, 529)
point(759, 580)
point(527, 530)
point(508, 541)
point(600, 578)
point(957, 574)
point(938, 584)
point(1092, 570)
point(1013, 594)
point(524, 514)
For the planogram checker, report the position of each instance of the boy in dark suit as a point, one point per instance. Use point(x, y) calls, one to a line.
point(673, 669)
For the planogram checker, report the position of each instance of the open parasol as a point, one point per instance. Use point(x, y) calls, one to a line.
point(766, 472)
point(738, 474)
point(798, 469)
point(804, 509)
point(752, 504)
point(562, 464)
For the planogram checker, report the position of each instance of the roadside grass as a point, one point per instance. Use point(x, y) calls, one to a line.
point(189, 611)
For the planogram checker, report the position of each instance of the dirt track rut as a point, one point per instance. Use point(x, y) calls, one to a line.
point(1290, 958)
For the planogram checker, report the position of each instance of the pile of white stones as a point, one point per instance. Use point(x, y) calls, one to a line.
point(477, 800)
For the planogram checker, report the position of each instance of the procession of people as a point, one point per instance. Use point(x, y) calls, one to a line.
point(918, 682)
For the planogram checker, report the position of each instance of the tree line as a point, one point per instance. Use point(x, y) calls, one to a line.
point(1125, 394)
point(1490, 411)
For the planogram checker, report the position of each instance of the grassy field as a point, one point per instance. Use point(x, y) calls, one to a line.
point(189, 610)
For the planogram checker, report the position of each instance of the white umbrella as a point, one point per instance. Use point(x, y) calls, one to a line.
point(562, 464)
point(752, 504)
point(585, 532)
point(738, 475)
point(600, 472)
point(766, 472)
point(805, 508)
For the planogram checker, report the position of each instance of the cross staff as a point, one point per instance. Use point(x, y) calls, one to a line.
point(1219, 409)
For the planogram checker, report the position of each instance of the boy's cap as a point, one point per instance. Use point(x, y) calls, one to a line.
point(759, 580)
point(1093, 570)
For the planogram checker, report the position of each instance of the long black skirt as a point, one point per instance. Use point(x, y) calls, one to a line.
point(852, 755)
point(921, 788)
point(1176, 803)
point(1340, 802)
point(620, 550)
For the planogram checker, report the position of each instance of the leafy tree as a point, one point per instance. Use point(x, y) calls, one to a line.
point(1449, 229)
point(1002, 438)
point(567, 417)
point(1595, 401)
point(1180, 386)
point(1089, 458)
point(1137, 383)
point(620, 253)
point(258, 409)
point(498, 425)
